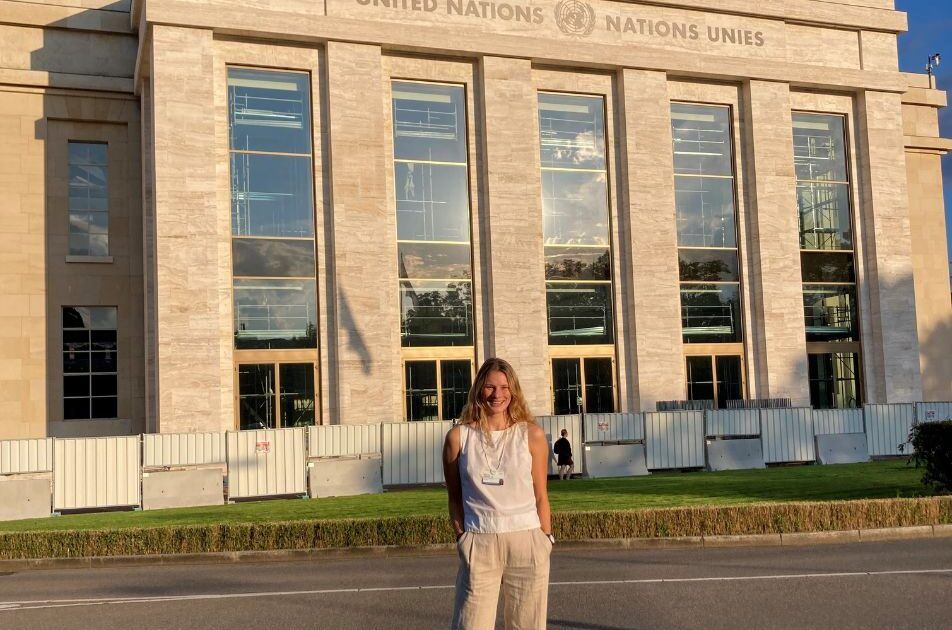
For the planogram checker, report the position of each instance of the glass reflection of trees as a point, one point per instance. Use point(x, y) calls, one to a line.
point(272, 209)
point(707, 239)
point(576, 223)
point(431, 184)
point(435, 313)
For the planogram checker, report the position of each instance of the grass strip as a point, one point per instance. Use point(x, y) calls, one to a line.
point(764, 518)
point(871, 480)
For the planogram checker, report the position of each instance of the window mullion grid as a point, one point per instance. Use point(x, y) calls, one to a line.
point(596, 129)
point(427, 235)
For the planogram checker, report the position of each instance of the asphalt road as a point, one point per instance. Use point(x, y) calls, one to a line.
point(899, 584)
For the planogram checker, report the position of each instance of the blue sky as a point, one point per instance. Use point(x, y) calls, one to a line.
point(930, 31)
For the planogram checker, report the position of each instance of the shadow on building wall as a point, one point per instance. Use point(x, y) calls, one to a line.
point(87, 69)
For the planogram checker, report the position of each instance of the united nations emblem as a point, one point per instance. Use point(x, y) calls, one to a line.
point(575, 17)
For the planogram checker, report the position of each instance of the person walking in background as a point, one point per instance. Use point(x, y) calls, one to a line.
point(495, 463)
point(563, 453)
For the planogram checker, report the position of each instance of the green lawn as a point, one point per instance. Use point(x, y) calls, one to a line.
point(882, 479)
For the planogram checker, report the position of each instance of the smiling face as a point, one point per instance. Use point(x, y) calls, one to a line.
point(496, 394)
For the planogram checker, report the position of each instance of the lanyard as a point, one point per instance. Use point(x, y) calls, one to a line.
point(498, 449)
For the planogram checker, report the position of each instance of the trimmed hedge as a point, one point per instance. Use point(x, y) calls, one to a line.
point(770, 518)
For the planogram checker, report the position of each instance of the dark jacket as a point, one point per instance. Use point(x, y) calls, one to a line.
point(563, 449)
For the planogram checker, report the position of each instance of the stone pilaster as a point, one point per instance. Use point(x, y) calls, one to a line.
point(652, 300)
point(362, 290)
point(778, 338)
point(890, 341)
point(513, 250)
point(930, 262)
point(191, 240)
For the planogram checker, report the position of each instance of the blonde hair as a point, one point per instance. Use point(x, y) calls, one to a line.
point(476, 410)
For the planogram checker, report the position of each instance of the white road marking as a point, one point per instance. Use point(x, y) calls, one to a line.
point(100, 601)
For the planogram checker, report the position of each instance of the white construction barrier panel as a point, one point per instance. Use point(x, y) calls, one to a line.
point(413, 452)
point(731, 422)
point(888, 426)
point(24, 498)
point(96, 472)
point(182, 488)
point(674, 439)
point(615, 460)
point(182, 449)
point(614, 427)
point(842, 448)
point(344, 477)
point(267, 462)
point(933, 411)
point(26, 456)
point(339, 440)
point(837, 421)
point(787, 435)
point(741, 454)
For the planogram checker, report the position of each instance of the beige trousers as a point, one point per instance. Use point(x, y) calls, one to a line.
point(517, 561)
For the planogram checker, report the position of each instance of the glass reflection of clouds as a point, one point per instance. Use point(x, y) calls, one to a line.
point(572, 131)
point(575, 208)
point(88, 201)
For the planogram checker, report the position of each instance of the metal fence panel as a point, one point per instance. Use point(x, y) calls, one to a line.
point(335, 440)
point(96, 472)
point(933, 411)
point(413, 452)
point(728, 422)
point(888, 426)
point(26, 456)
point(183, 449)
point(553, 425)
point(837, 421)
point(613, 427)
point(268, 462)
point(674, 439)
point(787, 435)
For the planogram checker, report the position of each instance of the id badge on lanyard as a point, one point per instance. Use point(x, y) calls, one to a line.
point(493, 479)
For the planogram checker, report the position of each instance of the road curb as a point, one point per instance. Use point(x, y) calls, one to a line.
point(296, 555)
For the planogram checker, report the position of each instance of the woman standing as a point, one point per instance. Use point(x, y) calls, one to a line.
point(496, 464)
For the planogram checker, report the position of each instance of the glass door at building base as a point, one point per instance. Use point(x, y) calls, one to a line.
point(716, 378)
point(275, 395)
point(436, 389)
point(583, 385)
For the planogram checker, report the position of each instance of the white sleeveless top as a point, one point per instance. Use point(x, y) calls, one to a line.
point(493, 508)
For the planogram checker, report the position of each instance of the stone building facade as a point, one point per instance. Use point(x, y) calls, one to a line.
point(222, 214)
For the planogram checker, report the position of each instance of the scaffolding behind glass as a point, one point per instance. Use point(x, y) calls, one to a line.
point(827, 258)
